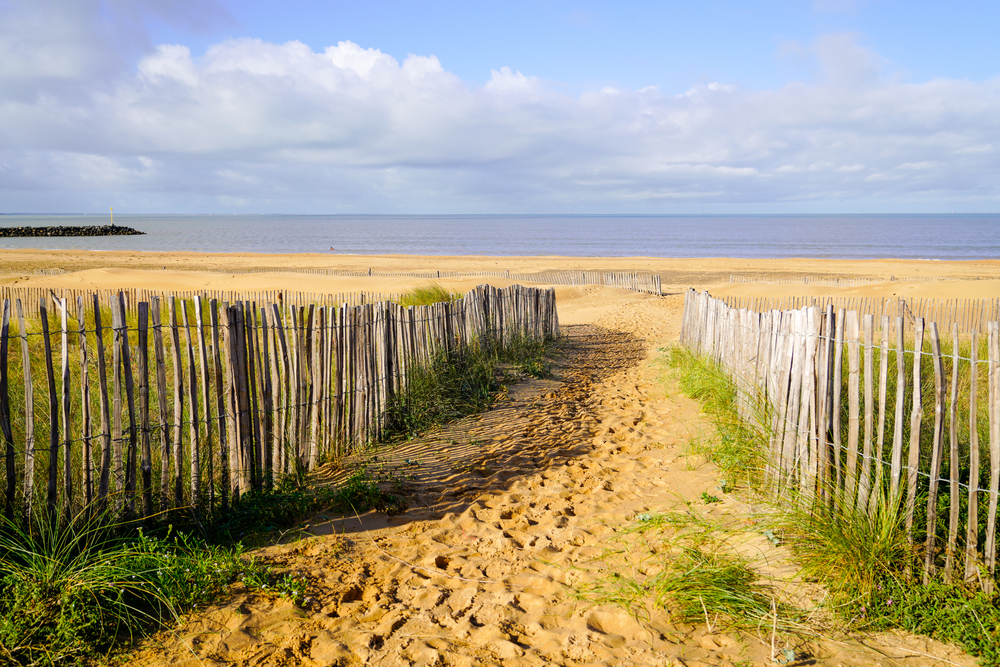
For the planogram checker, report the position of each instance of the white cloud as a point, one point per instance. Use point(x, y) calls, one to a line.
point(353, 128)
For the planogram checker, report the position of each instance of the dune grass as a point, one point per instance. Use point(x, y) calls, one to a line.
point(863, 558)
point(462, 382)
point(73, 592)
point(426, 295)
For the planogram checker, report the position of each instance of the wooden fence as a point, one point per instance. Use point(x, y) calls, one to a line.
point(968, 314)
point(191, 402)
point(928, 431)
point(859, 281)
point(31, 297)
point(635, 281)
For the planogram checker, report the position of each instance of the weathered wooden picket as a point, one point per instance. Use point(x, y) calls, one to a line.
point(790, 375)
point(231, 396)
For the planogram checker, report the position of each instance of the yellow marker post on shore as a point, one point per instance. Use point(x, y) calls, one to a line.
point(112, 215)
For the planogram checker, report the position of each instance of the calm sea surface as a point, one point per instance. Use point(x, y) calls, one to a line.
point(960, 236)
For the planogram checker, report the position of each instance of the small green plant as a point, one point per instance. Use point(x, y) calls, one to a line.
point(262, 577)
point(708, 498)
point(260, 516)
point(360, 493)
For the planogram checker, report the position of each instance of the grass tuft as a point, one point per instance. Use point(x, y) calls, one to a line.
point(852, 552)
point(737, 447)
point(679, 563)
point(462, 382)
point(427, 295)
point(70, 593)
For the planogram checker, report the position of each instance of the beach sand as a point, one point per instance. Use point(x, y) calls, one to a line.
point(516, 513)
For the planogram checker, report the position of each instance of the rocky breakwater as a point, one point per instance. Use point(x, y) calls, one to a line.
point(92, 230)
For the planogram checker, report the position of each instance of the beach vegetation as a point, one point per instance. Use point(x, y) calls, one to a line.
point(864, 556)
point(683, 563)
point(463, 381)
point(426, 295)
point(72, 592)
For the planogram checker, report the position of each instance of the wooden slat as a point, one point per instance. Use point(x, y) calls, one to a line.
point(194, 437)
point(117, 425)
point(936, 455)
point(67, 440)
point(87, 458)
point(838, 382)
point(52, 488)
point(145, 446)
point(220, 399)
point(972, 521)
point(177, 474)
point(163, 401)
point(267, 396)
point(864, 478)
point(5, 422)
point(254, 389)
point(854, 407)
point(228, 327)
point(205, 453)
point(131, 453)
point(104, 487)
point(896, 459)
point(883, 378)
point(989, 548)
point(954, 465)
point(916, 416)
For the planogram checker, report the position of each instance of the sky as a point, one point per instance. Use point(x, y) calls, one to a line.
point(544, 106)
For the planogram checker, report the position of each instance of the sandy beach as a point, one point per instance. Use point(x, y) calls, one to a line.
point(184, 271)
point(514, 512)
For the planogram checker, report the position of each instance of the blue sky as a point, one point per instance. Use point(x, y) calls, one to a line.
point(484, 107)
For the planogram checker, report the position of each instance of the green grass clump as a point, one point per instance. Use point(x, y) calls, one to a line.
point(427, 295)
point(679, 562)
point(861, 558)
point(74, 592)
point(949, 613)
point(737, 447)
point(852, 552)
point(361, 492)
point(462, 382)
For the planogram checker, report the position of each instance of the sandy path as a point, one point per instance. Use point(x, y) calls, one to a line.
point(511, 512)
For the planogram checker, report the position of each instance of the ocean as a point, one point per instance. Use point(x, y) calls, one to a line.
point(929, 236)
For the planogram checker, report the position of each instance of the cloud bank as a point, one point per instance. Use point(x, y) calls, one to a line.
point(252, 125)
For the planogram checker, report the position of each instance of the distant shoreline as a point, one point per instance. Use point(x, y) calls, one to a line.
point(63, 230)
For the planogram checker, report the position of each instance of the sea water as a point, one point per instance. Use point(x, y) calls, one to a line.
point(929, 236)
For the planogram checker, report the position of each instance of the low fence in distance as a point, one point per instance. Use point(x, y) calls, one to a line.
point(968, 314)
point(860, 281)
point(192, 402)
point(929, 429)
point(636, 281)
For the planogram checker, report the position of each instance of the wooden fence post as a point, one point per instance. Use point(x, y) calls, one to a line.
point(5, 423)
